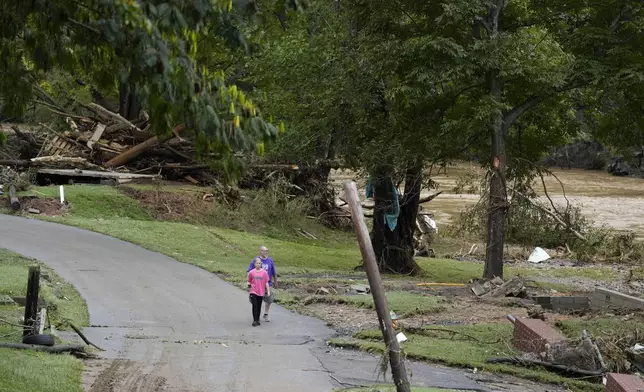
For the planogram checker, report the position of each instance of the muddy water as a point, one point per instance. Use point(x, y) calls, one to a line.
point(617, 202)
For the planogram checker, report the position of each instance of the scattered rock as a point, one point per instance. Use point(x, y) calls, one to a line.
point(33, 210)
point(6, 300)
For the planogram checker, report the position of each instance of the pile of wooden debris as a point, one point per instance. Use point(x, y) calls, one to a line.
point(102, 141)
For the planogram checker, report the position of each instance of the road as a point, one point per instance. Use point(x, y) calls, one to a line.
point(170, 326)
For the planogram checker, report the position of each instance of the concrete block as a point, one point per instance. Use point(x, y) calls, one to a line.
point(532, 335)
point(616, 382)
point(605, 297)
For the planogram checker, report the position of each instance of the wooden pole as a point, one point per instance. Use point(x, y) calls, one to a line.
point(13, 199)
point(31, 302)
point(398, 369)
point(137, 150)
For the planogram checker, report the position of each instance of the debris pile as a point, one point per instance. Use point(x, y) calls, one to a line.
point(498, 288)
point(101, 140)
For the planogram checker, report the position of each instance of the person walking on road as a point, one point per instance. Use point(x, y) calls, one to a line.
point(258, 281)
point(269, 266)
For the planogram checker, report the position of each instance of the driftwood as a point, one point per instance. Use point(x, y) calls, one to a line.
point(15, 203)
point(524, 362)
point(82, 336)
point(137, 150)
point(61, 348)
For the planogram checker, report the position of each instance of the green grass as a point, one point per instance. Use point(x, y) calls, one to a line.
point(106, 210)
point(403, 303)
point(64, 303)
point(465, 346)
point(38, 372)
point(29, 371)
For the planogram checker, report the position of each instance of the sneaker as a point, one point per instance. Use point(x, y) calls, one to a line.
point(266, 319)
point(255, 323)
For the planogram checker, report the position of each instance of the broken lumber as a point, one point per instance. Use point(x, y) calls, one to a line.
point(13, 199)
point(137, 150)
point(96, 136)
point(61, 348)
point(512, 287)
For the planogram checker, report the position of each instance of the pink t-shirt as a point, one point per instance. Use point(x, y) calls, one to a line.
point(258, 280)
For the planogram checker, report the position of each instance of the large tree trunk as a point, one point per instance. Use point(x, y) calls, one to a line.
point(395, 249)
point(498, 196)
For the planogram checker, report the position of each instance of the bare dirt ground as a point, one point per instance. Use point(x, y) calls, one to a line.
point(44, 206)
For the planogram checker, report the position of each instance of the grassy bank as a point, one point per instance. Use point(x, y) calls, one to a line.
point(29, 371)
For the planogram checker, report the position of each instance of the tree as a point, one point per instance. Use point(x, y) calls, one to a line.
point(146, 49)
point(571, 53)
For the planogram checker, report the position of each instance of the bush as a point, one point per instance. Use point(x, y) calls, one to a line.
point(525, 225)
point(530, 226)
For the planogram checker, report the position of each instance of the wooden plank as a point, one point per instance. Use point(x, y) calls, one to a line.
point(96, 136)
point(96, 174)
point(398, 369)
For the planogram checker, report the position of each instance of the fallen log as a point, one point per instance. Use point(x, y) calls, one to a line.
point(15, 162)
point(61, 348)
point(113, 116)
point(137, 150)
point(15, 203)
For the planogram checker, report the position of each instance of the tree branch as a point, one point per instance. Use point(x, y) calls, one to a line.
point(513, 115)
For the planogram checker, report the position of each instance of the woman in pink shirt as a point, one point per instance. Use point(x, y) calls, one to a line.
point(258, 281)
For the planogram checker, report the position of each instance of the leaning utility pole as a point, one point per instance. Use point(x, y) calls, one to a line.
point(398, 370)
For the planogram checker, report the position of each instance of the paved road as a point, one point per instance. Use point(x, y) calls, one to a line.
point(148, 310)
